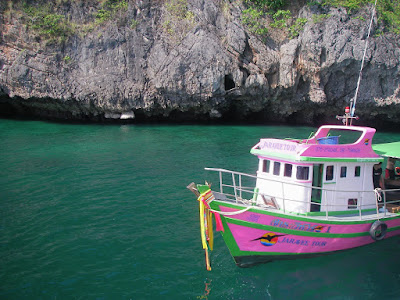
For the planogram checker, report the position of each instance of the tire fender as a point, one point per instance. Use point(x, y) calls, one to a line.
point(378, 230)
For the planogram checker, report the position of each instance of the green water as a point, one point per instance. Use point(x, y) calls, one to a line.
point(102, 212)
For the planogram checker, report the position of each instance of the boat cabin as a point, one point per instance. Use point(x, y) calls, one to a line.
point(330, 171)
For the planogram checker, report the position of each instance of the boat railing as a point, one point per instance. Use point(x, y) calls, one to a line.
point(247, 194)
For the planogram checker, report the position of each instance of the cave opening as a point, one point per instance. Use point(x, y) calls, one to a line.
point(229, 83)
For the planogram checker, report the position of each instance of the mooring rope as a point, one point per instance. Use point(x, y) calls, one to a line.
point(378, 196)
point(226, 213)
point(354, 101)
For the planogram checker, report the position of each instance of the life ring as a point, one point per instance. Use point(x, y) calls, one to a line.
point(378, 230)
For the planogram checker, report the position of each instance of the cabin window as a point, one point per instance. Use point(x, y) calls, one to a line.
point(265, 166)
point(329, 173)
point(352, 203)
point(277, 168)
point(343, 172)
point(302, 173)
point(357, 171)
point(288, 170)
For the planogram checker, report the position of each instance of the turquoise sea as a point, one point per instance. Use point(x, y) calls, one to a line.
point(102, 212)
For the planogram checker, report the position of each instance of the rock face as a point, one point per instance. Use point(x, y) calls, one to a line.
point(205, 66)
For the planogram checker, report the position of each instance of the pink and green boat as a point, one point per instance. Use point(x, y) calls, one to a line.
point(309, 197)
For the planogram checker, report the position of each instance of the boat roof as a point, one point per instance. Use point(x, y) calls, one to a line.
point(388, 149)
point(321, 146)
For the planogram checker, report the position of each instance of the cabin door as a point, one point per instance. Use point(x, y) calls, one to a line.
point(317, 184)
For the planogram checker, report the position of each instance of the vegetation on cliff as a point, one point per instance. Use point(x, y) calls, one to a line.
point(264, 14)
point(178, 19)
point(388, 10)
point(52, 23)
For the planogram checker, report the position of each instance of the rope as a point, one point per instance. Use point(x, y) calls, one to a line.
point(231, 213)
point(353, 104)
point(378, 196)
point(208, 197)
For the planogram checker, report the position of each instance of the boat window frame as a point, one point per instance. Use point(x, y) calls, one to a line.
point(302, 168)
point(276, 163)
point(357, 174)
point(266, 166)
point(285, 174)
point(329, 176)
point(343, 171)
point(352, 203)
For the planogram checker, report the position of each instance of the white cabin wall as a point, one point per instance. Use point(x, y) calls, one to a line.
point(290, 194)
point(369, 199)
point(335, 195)
point(344, 188)
point(297, 198)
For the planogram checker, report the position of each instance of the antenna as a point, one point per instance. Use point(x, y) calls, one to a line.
point(354, 100)
point(346, 118)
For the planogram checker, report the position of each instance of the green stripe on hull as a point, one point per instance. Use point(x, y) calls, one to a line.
point(393, 228)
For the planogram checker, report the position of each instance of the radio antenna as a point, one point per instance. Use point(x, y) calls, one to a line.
point(354, 100)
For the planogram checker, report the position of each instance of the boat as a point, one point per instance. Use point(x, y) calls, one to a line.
point(308, 197)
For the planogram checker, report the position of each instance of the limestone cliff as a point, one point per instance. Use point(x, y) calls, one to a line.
point(150, 62)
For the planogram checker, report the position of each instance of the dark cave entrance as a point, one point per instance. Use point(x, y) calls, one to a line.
point(229, 83)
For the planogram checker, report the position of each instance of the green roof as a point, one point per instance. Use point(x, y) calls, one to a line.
point(388, 149)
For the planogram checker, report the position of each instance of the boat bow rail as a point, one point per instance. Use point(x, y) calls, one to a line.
point(239, 188)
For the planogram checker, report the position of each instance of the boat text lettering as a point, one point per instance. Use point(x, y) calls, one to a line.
point(278, 146)
point(253, 218)
point(301, 242)
point(297, 226)
point(337, 149)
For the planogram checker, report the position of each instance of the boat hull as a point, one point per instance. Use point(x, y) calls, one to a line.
point(259, 236)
